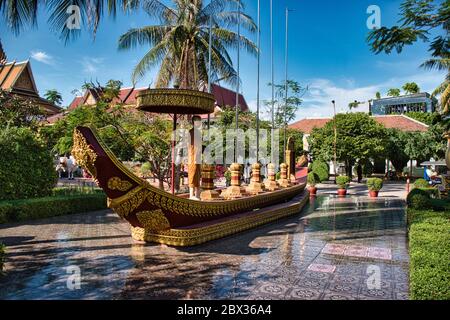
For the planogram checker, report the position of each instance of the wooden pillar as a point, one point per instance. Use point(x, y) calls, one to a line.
point(208, 173)
point(283, 181)
point(255, 185)
point(270, 183)
point(234, 190)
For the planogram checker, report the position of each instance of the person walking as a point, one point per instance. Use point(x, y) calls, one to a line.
point(359, 172)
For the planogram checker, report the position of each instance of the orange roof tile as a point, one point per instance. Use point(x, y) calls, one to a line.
point(400, 122)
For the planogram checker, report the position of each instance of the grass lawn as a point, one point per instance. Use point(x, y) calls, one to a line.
point(429, 248)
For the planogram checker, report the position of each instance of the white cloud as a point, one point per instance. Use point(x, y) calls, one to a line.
point(317, 102)
point(43, 57)
point(91, 65)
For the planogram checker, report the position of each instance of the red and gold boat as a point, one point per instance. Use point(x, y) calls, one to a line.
point(158, 216)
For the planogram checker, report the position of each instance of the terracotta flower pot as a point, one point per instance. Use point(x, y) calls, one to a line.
point(342, 192)
point(312, 191)
point(373, 193)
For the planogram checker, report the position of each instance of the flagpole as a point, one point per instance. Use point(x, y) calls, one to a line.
point(209, 64)
point(272, 83)
point(237, 82)
point(286, 81)
point(257, 81)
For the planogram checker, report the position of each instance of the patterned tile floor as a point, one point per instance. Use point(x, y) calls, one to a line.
point(337, 248)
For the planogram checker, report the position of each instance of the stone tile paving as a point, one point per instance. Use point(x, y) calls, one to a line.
point(333, 250)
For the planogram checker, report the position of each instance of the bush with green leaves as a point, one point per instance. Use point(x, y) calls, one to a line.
point(419, 199)
point(375, 184)
point(313, 179)
point(26, 166)
point(421, 183)
point(342, 182)
point(429, 249)
point(321, 169)
point(37, 208)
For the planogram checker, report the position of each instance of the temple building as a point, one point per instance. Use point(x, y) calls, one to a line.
point(127, 96)
point(419, 102)
point(17, 78)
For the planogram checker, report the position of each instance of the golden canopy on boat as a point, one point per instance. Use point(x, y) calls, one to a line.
point(178, 101)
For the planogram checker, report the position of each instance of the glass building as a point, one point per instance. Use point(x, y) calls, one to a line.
point(419, 102)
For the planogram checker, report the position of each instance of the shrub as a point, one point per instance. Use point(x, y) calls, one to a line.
point(26, 167)
point(429, 248)
point(313, 179)
point(321, 169)
point(374, 184)
point(418, 199)
point(342, 182)
point(28, 209)
point(421, 183)
point(2, 257)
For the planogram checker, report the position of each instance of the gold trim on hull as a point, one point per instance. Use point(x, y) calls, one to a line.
point(194, 236)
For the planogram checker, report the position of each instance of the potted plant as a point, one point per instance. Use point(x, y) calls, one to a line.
point(374, 185)
point(312, 180)
point(342, 182)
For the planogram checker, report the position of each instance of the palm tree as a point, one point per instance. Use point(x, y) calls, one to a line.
point(411, 88)
point(393, 92)
point(2, 54)
point(53, 96)
point(179, 44)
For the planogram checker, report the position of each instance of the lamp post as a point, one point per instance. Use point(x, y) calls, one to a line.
point(257, 80)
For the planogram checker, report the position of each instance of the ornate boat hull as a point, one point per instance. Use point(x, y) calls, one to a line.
point(158, 216)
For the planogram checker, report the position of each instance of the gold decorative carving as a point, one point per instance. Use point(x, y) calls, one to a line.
point(128, 202)
point(194, 236)
point(115, 183)
point(154, 220)
point(179, 101)
point(83, 153)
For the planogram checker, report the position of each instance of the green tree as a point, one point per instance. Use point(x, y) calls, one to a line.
point(378, 95)
point(290, 106)
point(26, 166)
point(393, 92)
point(395, 149)
point(179, 44)
point(420, 20)
point(359, 137)
point(53, 96)
point(18, 112)
point(411, 88)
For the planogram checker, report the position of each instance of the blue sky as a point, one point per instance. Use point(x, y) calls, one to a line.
point(328, 52)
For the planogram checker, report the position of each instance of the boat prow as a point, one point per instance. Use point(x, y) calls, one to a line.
point(159, 216)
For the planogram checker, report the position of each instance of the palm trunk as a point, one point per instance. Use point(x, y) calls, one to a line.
point(2, 54)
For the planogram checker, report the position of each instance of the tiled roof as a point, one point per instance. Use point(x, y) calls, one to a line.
point(226, 97)
point(77, 101)
point(17, 78)
point(400, 122)
point(307, 125)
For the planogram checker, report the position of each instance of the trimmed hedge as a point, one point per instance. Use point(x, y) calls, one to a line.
point(312, 179)
point(37, 208)
point(26, 166)
point(321, 169)
point(418, 198)
point(421, 183)
point(429, 249)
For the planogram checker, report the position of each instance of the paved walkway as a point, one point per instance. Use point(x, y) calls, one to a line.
point(391, 189)
point(349, 248)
